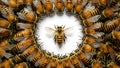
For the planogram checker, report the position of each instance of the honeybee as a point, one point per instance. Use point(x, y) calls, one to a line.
point(59, 33)
point(97, 64)
point(39, 7)
point(37, 56)
point(79, 5)
point(75, 61)
point(7, 13)
point(60, 65)
point(53, 63)
point(23, 34)
point(4, 32)
point(85, 58)
point(117, 59)
point(90, 21)
point(113, 65)
point(89, 11)
point(27, 14)
point(89, 40)
point(23, 45)
point(22, 26)
point(67, 63)
point(48, 6)
point(43, 62)
point(69, 6)
point(11, 3)
point(29, 51)
point(17, 59)
point(7, 64)
point(59, 5)
point(28, 1)
point(21, 65)
point(5, 45)
point(3, 53)
point(4, 23)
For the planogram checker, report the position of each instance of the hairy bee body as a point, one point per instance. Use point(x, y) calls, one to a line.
point(39, 7)
point(113, 65)
point(60, 65)
point(75, 61)
point(4, 32)
point(67, 63)
point(22, 26)
point(27, 14)
point(23, 34)
point(7, 13)
point(97, 64)
point(7, 64)
point(22, 65)
point(23, 45)
point(5, 45)
point(59, 5)
point(69, 6)
point(53, 63)
point(4, 23)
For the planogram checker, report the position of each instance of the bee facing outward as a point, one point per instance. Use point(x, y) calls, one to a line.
point(59, 34)
point(59, 5)
point(69, 6)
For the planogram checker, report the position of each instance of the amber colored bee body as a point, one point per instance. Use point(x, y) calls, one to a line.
point(23, 34)
point(27, 14)
point(4, 32)
point(75, 61)
point(43, 62)
point(53, 63)
point(113, 65)
point(7, 13)
point(7, 64)
point(60, 65)
point(97, 64)
point(48, 7)
point(22, 26)
point(29, 51)
point(40, 9)
point(17, 59)
point(37, 56)
point(67, 63)
point(59, 6)
point(23, 45)
point(89, 40)
point(4, 23)
point(69, 6)
point(22, 65)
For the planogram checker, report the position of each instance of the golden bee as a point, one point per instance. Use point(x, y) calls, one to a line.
point(97, 64)
point(23, 45)
point(48, 6)
point(4, 23)
point(21, 65)
point(69, 6)
point(39, 7)
point(7, 64)
point(23, 34)
point(43, 62)
point(7, 13)
point(22, 26)
point(11, 3)
point(60, 65)
point(29, 51)
point(5, 45)
point(113, 65)
point(59, 5)
point(67, 63)
point(4, 32)
point(79, 5)
point(89, 40)
point(53, 63)
point(90, 11)
point(59, 33)
point(75, 61)
point(37, 56)
point(84, 57)
point(27, 14)
point(28, 1)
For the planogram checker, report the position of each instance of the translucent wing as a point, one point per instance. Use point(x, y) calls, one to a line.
point(94, 18)
point(68, 31)
point(50, 32)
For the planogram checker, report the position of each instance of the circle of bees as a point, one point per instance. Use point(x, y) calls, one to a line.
point(101, 23)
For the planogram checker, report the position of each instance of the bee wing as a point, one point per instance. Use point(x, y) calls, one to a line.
point(50, 32)
point(89, 7)
point(84, 2)
point(94, 18)
point(68, 31)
